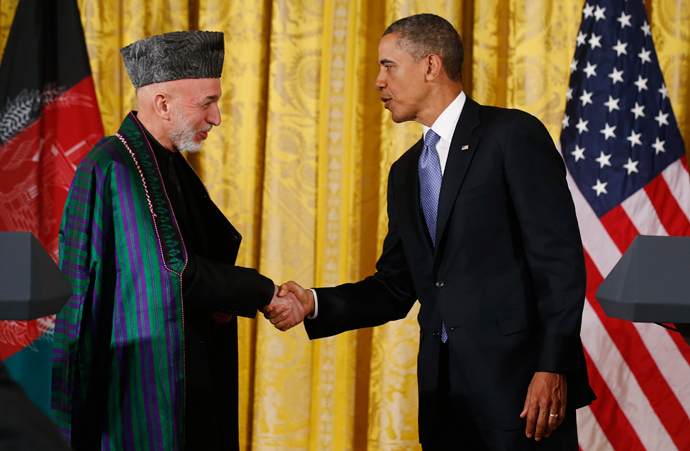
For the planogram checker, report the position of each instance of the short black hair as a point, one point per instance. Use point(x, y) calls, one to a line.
point(424, 34)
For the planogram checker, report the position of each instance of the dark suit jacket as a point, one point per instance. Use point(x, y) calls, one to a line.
point(507, 276)
point(211, 282)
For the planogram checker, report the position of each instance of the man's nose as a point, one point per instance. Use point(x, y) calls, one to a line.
point(380, 83)
point(213, 116)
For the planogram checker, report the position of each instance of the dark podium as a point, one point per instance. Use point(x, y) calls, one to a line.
point(31, 284)
point(651, 283)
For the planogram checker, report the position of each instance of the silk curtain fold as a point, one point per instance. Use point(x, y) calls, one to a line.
point(300, 163)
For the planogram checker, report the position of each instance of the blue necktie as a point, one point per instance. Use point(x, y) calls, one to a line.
point(430, 179)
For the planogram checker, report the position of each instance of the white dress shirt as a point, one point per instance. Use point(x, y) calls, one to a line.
point(444, 126)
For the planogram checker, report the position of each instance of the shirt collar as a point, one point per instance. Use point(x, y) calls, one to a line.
point(445, 124)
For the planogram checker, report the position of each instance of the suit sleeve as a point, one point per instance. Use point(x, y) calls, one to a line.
point(548, 224)
point(385, 296)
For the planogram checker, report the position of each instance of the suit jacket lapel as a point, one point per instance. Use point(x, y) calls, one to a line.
point(462, 149)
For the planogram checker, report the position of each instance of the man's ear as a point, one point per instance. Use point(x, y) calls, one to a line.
point(434, 66)
point(162, 105)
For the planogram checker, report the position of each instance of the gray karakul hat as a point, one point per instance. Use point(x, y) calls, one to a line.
point(174, 56)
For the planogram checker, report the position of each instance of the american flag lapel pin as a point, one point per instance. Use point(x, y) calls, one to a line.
point(465, 147)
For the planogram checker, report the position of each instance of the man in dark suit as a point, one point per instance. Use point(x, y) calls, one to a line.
point(482, 230)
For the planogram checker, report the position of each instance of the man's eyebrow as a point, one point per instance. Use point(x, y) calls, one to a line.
point(386, 61)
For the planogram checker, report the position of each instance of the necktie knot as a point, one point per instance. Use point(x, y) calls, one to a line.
point(431, 139)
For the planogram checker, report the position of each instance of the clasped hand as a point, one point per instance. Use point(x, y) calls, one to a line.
point(290, 305)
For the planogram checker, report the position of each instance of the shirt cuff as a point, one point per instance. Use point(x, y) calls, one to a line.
point(316, 305)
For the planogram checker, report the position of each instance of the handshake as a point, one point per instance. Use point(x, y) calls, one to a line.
point(290, 305)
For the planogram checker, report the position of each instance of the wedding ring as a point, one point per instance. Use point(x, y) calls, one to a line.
point(555, 415)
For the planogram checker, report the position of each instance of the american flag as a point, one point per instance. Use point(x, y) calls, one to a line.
point(628, 176)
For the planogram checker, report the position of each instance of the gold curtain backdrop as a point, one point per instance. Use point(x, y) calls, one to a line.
point(300, 162)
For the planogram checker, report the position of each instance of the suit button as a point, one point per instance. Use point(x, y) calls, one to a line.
point(440, 284)
point(436, 334)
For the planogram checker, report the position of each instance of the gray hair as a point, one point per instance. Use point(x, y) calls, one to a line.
point(424, 34)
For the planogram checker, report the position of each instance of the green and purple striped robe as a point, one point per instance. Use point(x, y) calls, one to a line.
point(118, 365)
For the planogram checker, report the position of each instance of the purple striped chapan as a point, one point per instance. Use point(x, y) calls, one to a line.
point(118, 359)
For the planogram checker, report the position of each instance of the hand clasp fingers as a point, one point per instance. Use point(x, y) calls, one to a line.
point(278, 318)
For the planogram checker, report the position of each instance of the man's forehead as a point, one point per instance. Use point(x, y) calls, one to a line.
point(390, 40)
point(196, 90)
point(390, 50)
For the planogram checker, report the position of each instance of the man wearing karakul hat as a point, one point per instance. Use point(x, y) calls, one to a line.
point(146, 349)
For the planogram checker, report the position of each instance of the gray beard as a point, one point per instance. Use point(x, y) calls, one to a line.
point(182, 135)
point(183, 141)
point(186, 144)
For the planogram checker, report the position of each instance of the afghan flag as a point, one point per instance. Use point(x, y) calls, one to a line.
point(49, 119)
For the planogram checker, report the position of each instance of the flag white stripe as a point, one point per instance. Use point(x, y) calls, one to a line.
point(669, 360)
point(678, 182)
point(641, 212)
point(622, 383)
point(605, 254)
point(595, 239)
point(588, 428)
point(615, 371)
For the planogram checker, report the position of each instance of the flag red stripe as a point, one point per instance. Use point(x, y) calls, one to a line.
point(638, 358)
point(670, 214)
point(619, 227)
point(610, 417)
point(682, 345)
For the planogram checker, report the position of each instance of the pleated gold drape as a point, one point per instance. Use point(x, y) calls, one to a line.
point(300, 162)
